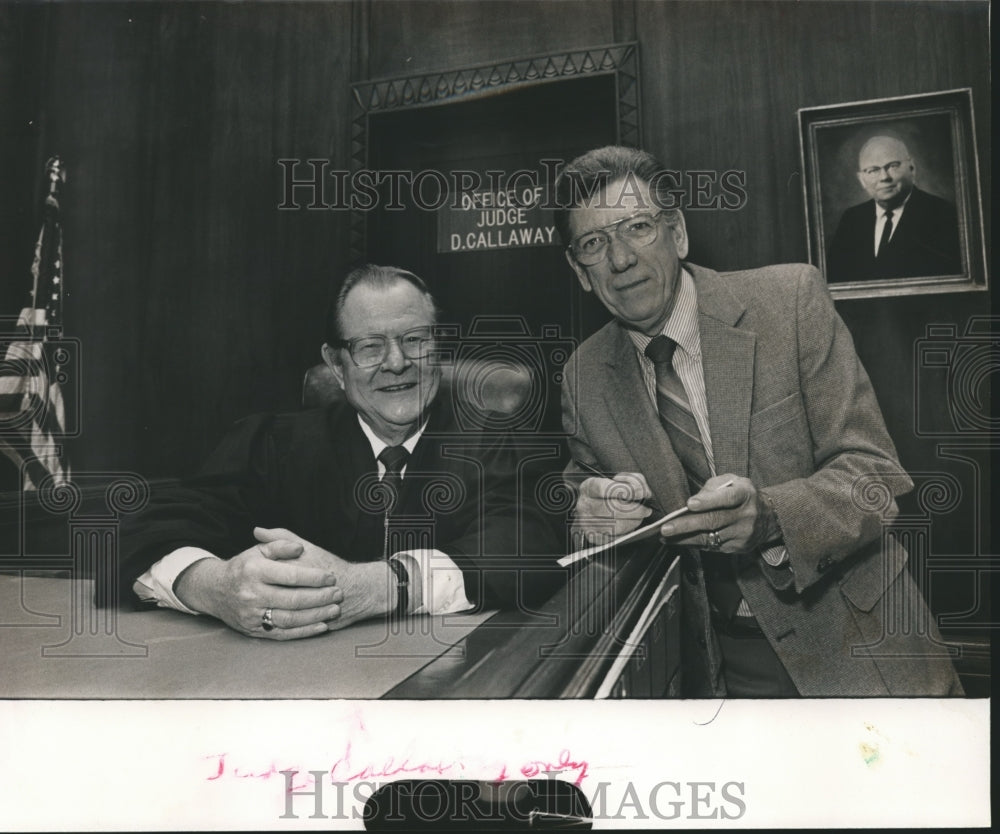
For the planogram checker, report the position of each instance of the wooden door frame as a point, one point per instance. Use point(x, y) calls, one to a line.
point(467, 83)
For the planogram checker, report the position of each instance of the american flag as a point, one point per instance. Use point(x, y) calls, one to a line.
point(32, 411)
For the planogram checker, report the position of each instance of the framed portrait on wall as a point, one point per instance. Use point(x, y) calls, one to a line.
point(891, 195)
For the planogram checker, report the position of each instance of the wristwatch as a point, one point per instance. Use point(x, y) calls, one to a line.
point(402, 587)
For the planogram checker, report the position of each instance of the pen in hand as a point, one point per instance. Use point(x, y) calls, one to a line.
point(646, 502)
point(576, 556)
point(685, 508)
point(593, 470)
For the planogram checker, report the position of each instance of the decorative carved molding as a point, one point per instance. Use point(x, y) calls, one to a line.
point(466, 83)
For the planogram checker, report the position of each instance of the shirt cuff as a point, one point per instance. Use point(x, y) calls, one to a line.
point(775, 556)
point(441, 582)
point(157, 584)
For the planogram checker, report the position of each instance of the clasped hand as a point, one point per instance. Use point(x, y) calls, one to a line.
point(306, 589)
point(368, 587)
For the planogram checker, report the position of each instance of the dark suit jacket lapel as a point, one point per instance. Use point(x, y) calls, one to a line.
point(633, 413)
point(727, 355)
point(352, 459)
point(907, 235)
point(428, 458)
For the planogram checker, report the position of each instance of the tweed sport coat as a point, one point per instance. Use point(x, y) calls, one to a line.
point(790, 407)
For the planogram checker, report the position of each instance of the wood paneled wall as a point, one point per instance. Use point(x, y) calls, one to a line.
point(407, 38)
point(20, 36)
point(198, 301)
point(721, 84)
point(720, 92)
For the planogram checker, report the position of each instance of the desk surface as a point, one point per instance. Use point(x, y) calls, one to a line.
point(55, 644)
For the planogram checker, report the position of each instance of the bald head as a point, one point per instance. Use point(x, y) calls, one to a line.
point(886, 171)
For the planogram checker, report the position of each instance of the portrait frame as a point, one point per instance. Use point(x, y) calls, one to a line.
point(939, 131)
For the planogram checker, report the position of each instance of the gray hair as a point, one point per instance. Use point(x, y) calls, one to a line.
point(586, 175)
point(378, 277)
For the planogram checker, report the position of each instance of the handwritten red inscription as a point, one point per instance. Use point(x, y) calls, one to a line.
point(352, 766)
point(344, 770)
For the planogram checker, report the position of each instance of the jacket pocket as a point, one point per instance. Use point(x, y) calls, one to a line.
point(777, 413)
point(866, 583)
point(780, 443)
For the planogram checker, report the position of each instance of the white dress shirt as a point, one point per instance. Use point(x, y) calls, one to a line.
point(439, 578)
point(897, 214)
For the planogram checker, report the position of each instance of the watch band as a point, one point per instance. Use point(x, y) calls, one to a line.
point(402, 587)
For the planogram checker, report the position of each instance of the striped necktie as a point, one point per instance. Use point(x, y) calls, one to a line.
point(682, 429)
point(675, 413)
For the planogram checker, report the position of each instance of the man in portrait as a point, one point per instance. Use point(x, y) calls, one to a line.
point(902, 231)
point(740, 397)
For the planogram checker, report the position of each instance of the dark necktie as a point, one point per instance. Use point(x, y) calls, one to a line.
point(883, 241)
point(678, 420)
point(393, 458)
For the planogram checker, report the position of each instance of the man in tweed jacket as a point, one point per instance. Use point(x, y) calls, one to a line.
point(790, 524)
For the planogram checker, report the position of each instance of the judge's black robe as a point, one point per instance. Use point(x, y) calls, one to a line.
point(313, 473)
